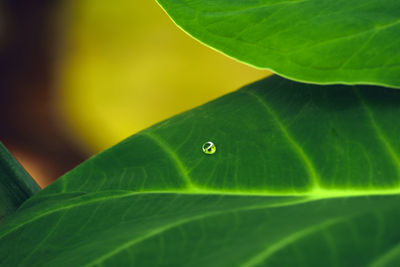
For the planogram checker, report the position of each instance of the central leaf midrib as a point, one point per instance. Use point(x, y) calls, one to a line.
point(314, 195)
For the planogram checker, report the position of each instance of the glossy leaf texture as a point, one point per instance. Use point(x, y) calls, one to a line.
point(323, 42)
point(16, 185)
point(303, 175)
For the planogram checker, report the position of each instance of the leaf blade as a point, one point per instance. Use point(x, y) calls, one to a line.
point(310, 41)
point(133, 204)
point(16, 185)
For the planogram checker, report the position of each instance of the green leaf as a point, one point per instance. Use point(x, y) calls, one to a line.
point(324, 42)
point(303, 175)
point(16, 185)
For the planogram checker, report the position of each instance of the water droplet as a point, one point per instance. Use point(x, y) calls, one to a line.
point(209, 148)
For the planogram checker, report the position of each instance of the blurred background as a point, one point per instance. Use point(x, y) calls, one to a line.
point(77, 77)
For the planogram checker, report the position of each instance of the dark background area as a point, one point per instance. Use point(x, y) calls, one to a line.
point(30, 125)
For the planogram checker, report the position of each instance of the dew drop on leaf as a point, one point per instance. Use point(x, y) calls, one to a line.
point(209, 148)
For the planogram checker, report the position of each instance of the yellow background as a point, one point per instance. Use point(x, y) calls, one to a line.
point(126, 66)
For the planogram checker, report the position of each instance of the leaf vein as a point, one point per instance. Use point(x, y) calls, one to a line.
point(379, 133)
point(273, 248)
point(309, 166)
point(180, 167)
point(170, 226)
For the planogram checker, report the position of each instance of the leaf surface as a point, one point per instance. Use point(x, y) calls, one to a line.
point(324, 42)
point(16, 185)
point(303, 175)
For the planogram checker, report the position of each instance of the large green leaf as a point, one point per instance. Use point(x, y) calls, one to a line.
point(329, 41)
point(303, 175)
point(16, 185)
